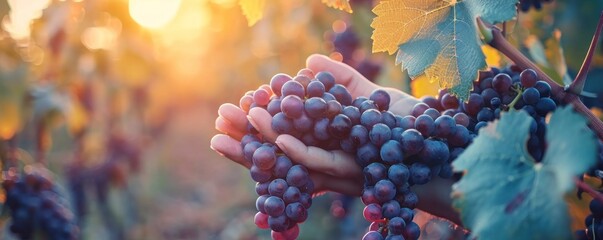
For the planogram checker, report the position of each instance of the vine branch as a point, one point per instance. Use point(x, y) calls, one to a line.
point(495, 38)
point(586, 188)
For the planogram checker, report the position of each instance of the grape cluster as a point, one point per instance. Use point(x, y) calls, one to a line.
point(37, 208)
point(395, 152)
point(501, 90)
point(525, 5)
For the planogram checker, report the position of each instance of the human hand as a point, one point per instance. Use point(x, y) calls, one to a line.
point(330, 170)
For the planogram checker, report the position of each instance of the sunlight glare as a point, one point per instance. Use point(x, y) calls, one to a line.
point(153, 13)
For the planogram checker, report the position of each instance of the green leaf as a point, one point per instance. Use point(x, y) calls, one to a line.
point(505, 194)
point(437, 38)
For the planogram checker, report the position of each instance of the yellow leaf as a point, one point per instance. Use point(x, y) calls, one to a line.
point(423, 86)
point(493, 57)
point(10, 119)
point(343, 5)
point(253, 10)
point(398, 21)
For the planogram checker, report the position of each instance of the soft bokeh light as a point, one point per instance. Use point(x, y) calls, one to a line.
point(22, 13)
point(153, 13)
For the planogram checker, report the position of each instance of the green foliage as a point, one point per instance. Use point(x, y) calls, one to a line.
point(504, 194)
point(438, 38)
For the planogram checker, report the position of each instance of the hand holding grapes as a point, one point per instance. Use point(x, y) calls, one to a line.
point(330, 170)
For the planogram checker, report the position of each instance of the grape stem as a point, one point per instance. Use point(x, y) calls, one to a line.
point(498, 41)
point(516, 99)
point(577, 85)
point(588, 189)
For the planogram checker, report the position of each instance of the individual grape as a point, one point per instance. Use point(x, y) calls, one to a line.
point(379, 134)
point(408, 199)
point(259, 175)
point(448, 101)
point(381, 98)
point(359, 135)
point(425, 125)
point(397, 134)
point(474, 104)
point(486, 115)
point(406, 122)
point(545, 105)
point(486, 83)
point(460, 138)
point(433, 113)
point(328, 97)
point(353, 113)
point(444, 126)
point(259, 202)
point(274, 106)
point(358, 101)
point(419, 109)
point(315, 107)
point(420, 173)
point(396, 225)
point(480, 125)
point(528, 78)
point(327, 79)
point(315, 89)
point(303, 123)
point(281, 123)
point(398, 174)
point(390, 209)
point(407, 214)
point(296, 212)
point(264, 157)
point(306, 200)
point(543, 88)
point(261, 220)
point(495, 102)
point(462, 119)
point(333, 108)
point(245, 103)
point(369, 118)
point(292, 106)
point(372, 212)
point(340, 126)
point(367, 154)
point(434, 152)
point(385, 190)
point(389, 119)
point(374, 172)
point(297, 176)
point(306, 72)
point(411, 231)
point(596, 208)
point(303, 80)
point(274, 206)
point(391, 152)
point(261, 188)
point(277, 82)
point(530, 96)
point(261, 97)
point(501, 83)
point(293, 88)
point(278, 223)
point(277, 187)
point(432, 102)
point(412, 141)
point(368, 196)
point(341, 94)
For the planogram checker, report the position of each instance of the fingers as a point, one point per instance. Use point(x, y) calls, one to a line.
point(230, 148)
point(345, 75)
point(234, 115)
point(226, 127)
point(334, 163)
point(262, 121)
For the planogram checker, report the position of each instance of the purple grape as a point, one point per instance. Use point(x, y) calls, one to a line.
point(278, 187)
point(528, 78)
point(281, 123)
point(277, 82)
point(327, 79)
point(340, 127)
point(425, 125)
point(259, 203)
point(274, 206)
point(381, 98)
point(413, 141)
point(315, 107)
point(374, 172)
point(341, 94)
point(444, 126)
point(297, 176)
point(379, 134)
point(293, 88)
point(385, 190)
point(292, 106)
point(315, 89)
point(398, 174)
point(391, 152)
point(296, 212)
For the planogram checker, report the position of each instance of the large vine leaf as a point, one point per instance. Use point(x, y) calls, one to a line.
point(343, 5)
point(253, 10)
point(437, 38)
point(504, 194)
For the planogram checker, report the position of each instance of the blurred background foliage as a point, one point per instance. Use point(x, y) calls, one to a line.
point(118, 99)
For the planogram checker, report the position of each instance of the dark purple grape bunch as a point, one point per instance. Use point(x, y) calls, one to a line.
point(497, 91)
point(284, 188)
point(36, 207)
point(593, 223)
point(525, 5)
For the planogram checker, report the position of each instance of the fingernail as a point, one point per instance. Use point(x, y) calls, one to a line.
point(250, 119)
point(220, 153)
